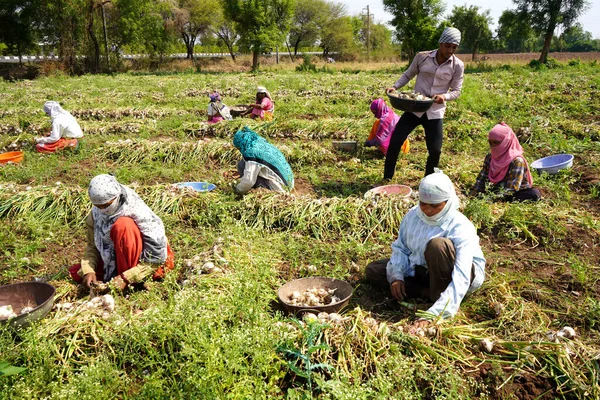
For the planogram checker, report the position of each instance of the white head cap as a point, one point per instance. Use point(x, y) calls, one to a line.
point(450, 35)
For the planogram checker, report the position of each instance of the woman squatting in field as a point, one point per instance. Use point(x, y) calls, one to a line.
point(126, 241)
point(263, 165)
point(383, 127)
point(263, 107)
point(506, 168)
point(65, 130)
point(439, 76)
point(437, 256)
point(217, 110)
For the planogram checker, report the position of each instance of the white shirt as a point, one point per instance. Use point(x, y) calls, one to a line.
point(215, 110)
point(409, 250)
point(252, 170)
point(63, 126)
point(432, 79)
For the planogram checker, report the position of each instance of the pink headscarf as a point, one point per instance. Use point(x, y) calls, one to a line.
point(504, 153)
point(387, 122)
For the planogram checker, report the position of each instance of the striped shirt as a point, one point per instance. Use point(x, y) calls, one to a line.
point(409, 250)
point(432, 79)
point(514, 180)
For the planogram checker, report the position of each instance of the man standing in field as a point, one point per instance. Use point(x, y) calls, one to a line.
point(439, 76)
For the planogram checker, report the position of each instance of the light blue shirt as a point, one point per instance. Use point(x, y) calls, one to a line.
point(409, 250)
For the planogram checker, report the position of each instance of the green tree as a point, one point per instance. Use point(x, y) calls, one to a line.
point(546, 15)
point(474, 27)
point(415, 22)
point(576, 38)
point(18, 22)
point(339, 32)
point(224, 30)
point(258, 22)
point(309, 16)
point(193, 18)
point(515, 33)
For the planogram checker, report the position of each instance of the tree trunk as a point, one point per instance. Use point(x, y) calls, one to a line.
point(289, 50)
point(189, 41)
point(105, 37)
point(90, 29)
point(254, 59)
point(231, 52)
point(548, 39)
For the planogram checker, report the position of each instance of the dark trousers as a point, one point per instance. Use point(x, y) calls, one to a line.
point(428, 283)
point(526, 194)
point(433, 138)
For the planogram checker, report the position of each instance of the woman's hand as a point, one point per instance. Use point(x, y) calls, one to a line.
point(89, 279)
point(473, 193)
point(398, 290)
point(118, 283)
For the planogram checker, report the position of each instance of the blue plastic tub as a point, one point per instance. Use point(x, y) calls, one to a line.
point(552, 164)
point(197, 186)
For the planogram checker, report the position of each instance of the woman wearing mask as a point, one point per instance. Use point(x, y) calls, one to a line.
point(126, 241)
point(437, 256)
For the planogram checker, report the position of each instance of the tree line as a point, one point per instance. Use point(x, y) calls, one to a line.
point(102, 30)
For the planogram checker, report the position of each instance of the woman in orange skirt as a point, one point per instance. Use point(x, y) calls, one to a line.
point(126, 240)
point(65, 130)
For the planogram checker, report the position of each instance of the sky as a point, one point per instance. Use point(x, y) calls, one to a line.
point(589, 20)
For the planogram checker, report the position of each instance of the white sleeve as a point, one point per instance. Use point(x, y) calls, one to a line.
point(54, 135)
point(465, 243)
point(251, 170)
point(211, 110)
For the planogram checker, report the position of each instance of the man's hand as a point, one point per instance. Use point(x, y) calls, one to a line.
point(390, 90)
point(89, 279)
point(398, 290)
point(439, 98)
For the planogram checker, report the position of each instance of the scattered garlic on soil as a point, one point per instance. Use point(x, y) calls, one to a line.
point(311, 268)
point(313, 297)
point(335, 318)
point(567, 332)
point(486, 345)
point(64, 306)
point(309, 317)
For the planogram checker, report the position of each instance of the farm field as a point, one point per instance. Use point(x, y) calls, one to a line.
point(223, 335)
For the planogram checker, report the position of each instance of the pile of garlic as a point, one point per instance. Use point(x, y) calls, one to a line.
point(313, 297)
point(410, 96)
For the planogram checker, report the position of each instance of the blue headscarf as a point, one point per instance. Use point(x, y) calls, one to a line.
point(255, 148)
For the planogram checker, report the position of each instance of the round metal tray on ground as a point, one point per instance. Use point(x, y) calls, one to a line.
point(238, 110)
point(389, 190)
point(343, 291)
point(409, 104)
point(39, 295)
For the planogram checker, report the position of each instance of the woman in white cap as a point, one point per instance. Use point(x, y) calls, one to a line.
point(437, 256)
point(65, 130)
point(439, 76)
point(126, 240)
point(263, 108)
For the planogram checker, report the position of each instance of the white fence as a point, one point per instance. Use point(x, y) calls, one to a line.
point(15, 59)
